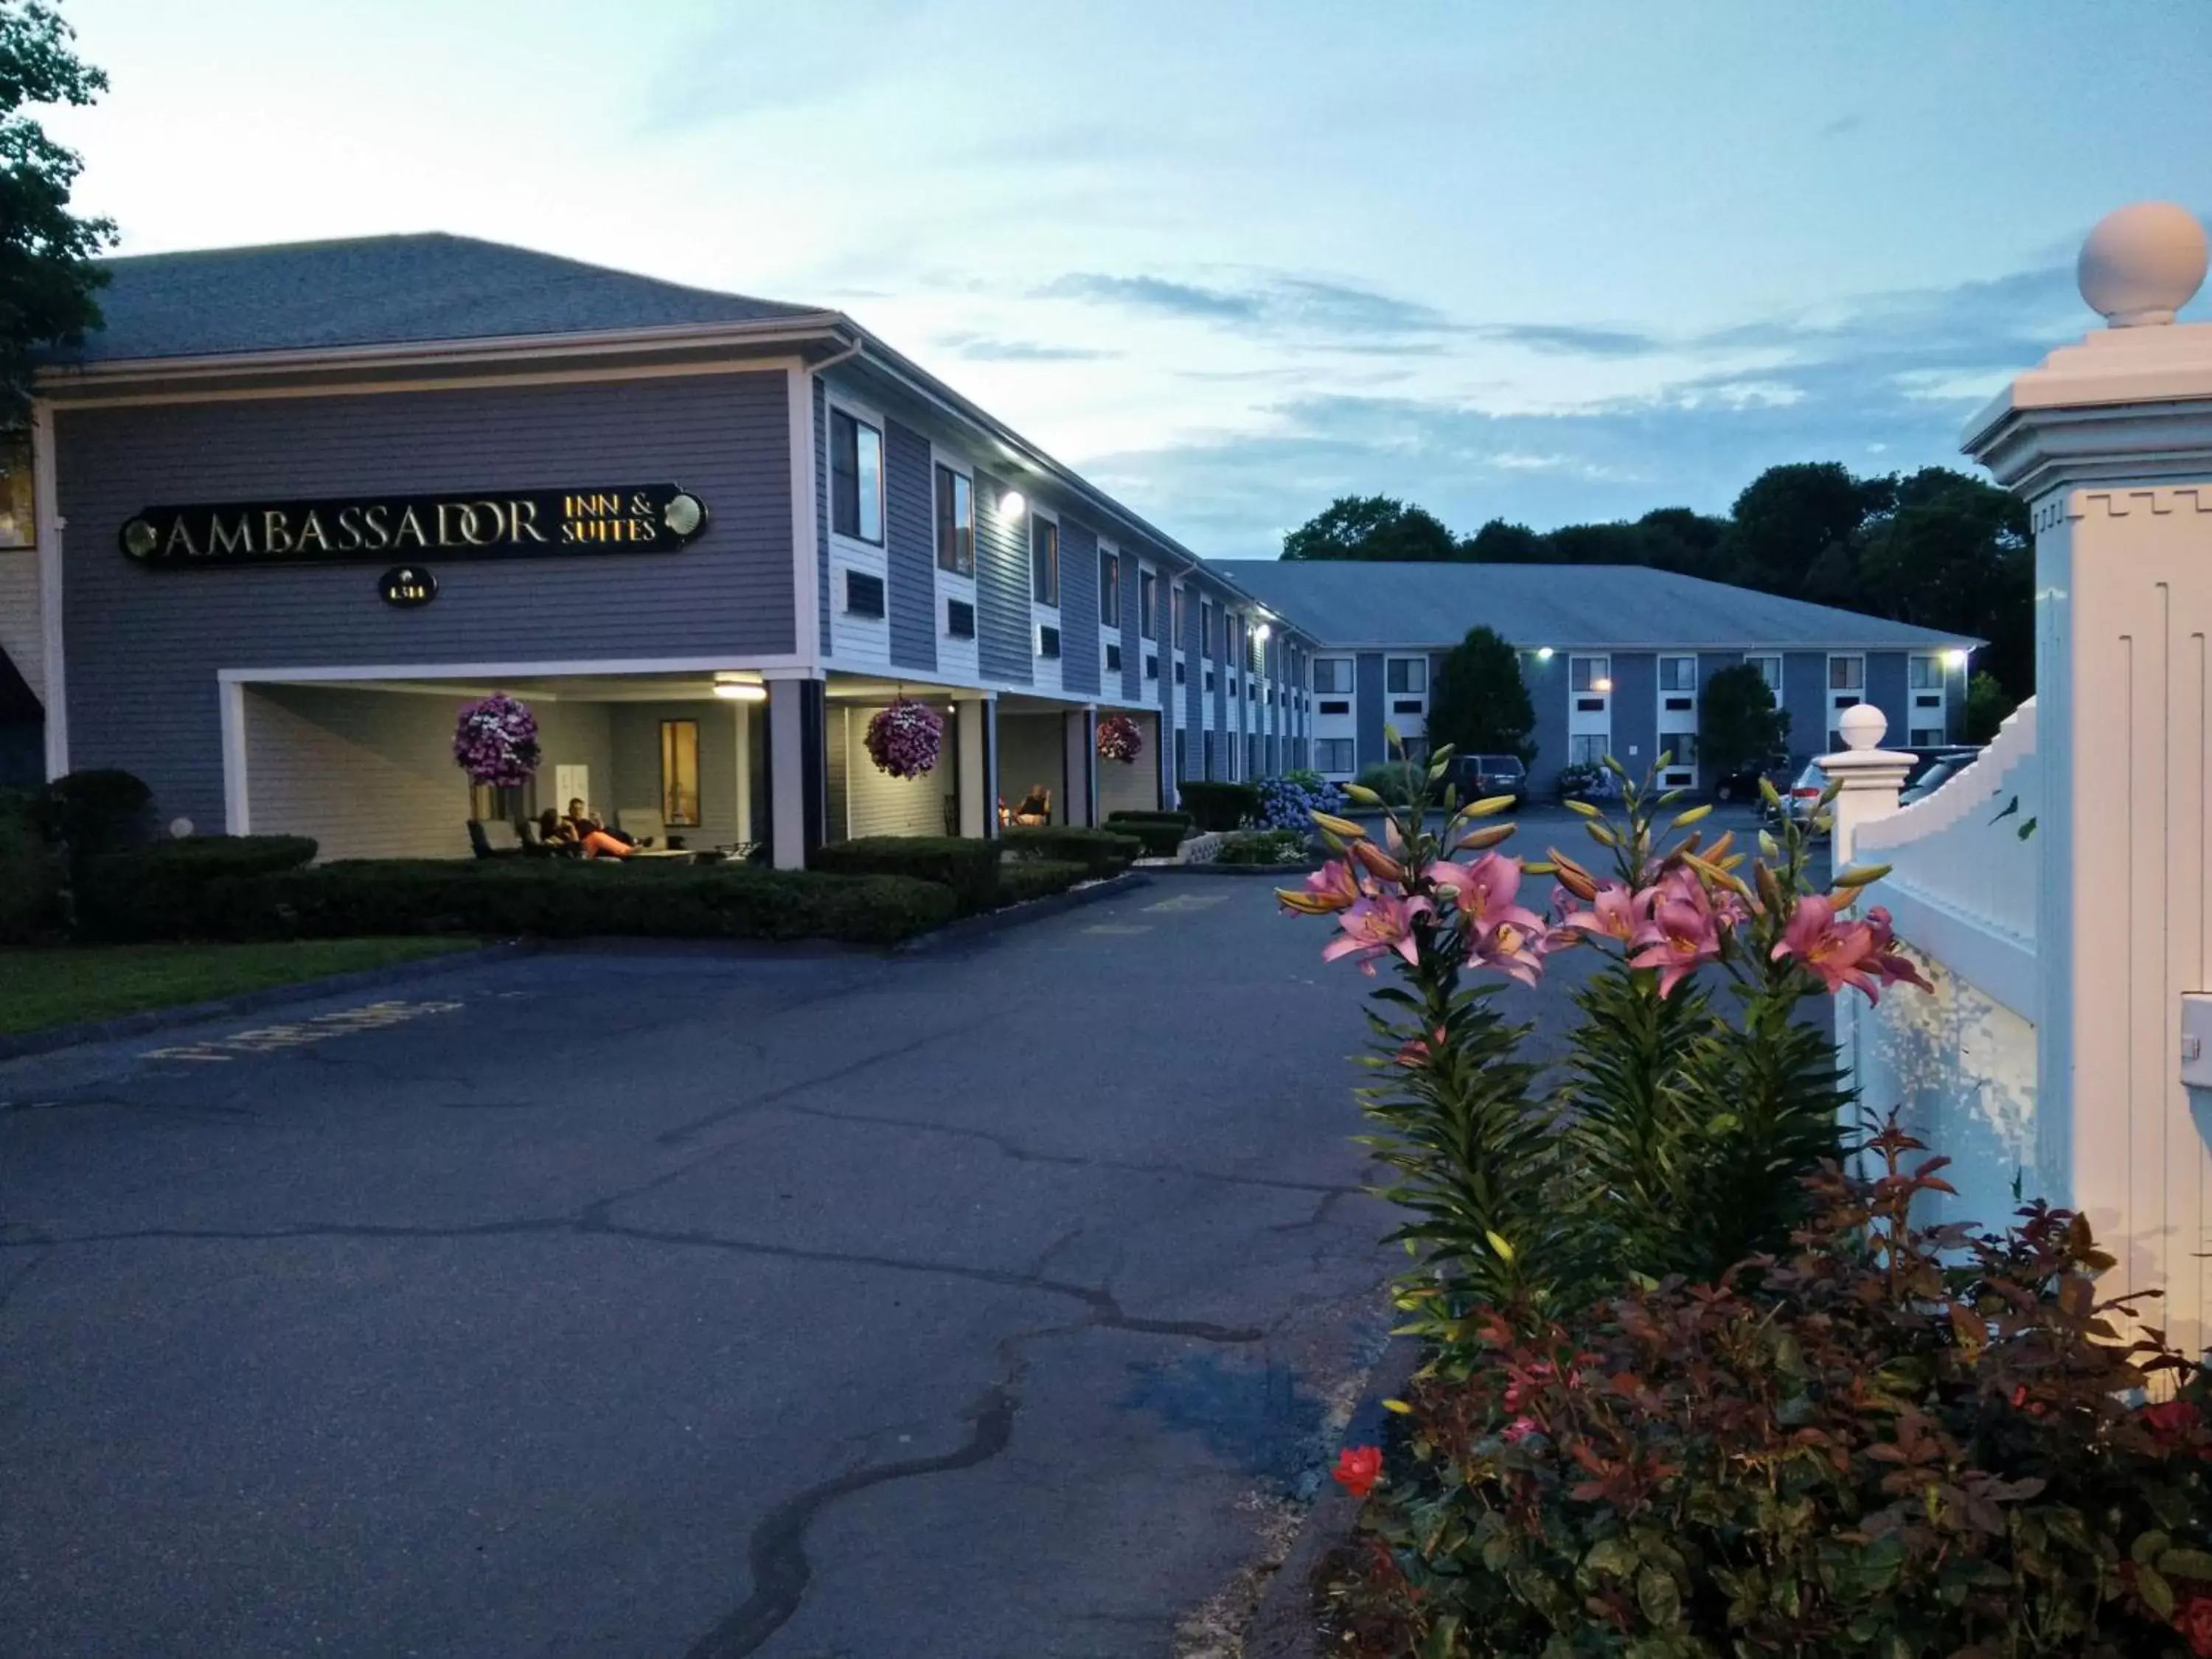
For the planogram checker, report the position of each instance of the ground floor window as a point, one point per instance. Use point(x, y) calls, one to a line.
point(1182, 770)
point(1332, 754)
point(679, 774)
point(492, 803)
point(1206, 750)
point(1927, 737)
point(1588, 748)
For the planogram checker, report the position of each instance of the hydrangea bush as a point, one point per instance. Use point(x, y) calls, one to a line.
point(906, 738)
point(1692, 1390)
point(496, 741)
point(1289, 801)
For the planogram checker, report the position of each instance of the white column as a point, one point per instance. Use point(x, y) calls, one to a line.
point(2110, 443)
point(1871, 778)
point(791, 776)
point(744, 757)
point(979, 766)
point(46, 507)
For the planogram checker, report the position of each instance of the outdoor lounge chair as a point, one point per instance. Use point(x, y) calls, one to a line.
point(493, 841)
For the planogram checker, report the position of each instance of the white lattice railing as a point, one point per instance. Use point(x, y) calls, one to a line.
point(1965, 864)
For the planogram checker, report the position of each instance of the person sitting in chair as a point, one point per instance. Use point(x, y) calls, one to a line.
point(593, 843)
point(585, 821)
point(1036, 807)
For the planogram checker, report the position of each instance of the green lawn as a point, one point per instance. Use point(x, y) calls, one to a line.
point(69, 984)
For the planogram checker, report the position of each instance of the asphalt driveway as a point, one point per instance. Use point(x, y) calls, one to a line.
point(675, 1302)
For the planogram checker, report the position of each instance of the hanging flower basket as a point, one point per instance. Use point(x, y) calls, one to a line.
point(496, 741)
point(906, 738)
point(1119, 739)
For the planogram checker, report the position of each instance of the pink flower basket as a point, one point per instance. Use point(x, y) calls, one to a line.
point(1119, 739)
point(496, 741)
point(906, 738)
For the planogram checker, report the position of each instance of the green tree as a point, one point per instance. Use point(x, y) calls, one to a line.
point(47, 277)
point(1987, 704)
point(1951, 552)
point(1737, 720)
point(1372, 527)
point(1479, 703)
point(1791, 519)
point(1500, 542)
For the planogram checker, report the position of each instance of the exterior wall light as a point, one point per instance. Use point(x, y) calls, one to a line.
point(1600, 685)
point(1261, 632)
point(734, 691)
point(1954, 658)
point(1011, 506)
point(1543, 653)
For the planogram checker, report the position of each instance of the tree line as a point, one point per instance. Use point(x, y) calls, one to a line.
point(1933, 548)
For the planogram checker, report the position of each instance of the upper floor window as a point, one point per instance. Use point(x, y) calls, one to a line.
point(1405, 675)
point(1206, 628)
point(1044, 559)
point(856, 479)
point(1593, 674)
point(956, 522)
point(1110, 591)
point(18, 521)
point(1925, 673)
point(1678, 673)
point(1847, 673)
point(1769, 664)
point(1148, 604)
point(1331, 674)
point(1176, 621)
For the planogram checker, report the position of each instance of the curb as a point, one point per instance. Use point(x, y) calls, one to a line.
point(1210, 868)
point(970, 928)
point(251, 1002)
point(1282, 1626)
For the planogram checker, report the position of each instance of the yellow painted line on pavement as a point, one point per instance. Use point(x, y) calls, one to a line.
point(275, 1039)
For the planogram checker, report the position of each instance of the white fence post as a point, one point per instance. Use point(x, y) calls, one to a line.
point(1871, 777)
point(2110, 441)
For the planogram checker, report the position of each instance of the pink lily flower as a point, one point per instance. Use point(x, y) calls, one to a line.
point(1512, 945)
point(1484, 891)
point(1377, 926)
point(1336, 886)
point(1615, 913)
point(1837, 954)
point(1682, 934)
point(1891, 965)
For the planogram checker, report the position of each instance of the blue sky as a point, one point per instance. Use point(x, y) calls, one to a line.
point(1546, 262)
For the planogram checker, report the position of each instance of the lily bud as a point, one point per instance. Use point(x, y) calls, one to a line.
point(1860, 875)
point(1377, 861)
point(1336, 826)
point(1769, 889)
point(1489, 835)
point(1364, 797)
point(1490, 806)
point(1573, 876)
point(1601, 835)
point(1582, 808)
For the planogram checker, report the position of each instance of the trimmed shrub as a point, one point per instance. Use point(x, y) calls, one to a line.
point(161, 891)
point(1396, 781)
point(30, 874)
point(1129, 816)
point(1213, 804)
point(1023, 879)
point(1101, 852)
point(95, 812)
point(1264, 846)
point(569, 898)
point(1161, 835)
point(969, 868)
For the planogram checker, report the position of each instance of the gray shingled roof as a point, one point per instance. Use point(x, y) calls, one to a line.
point(379, 290)
point(1352, 602)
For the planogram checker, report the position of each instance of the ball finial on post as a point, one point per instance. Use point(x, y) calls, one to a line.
point(2141, 263)
point(1861, 725)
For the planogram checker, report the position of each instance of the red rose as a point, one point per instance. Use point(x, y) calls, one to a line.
point(2172, 1420)
point(1359, 1467)
point(2194, 1621)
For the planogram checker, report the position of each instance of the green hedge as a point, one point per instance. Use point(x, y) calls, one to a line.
point(1101, 852)
point(1139, 815)
point(1213, 804)
point(968, 867)
point(102, 811)
point(1264, 846)
point(1161, 832)
point(163, 891)
point(30, 874)
point(569, 898)
point(1022, 879)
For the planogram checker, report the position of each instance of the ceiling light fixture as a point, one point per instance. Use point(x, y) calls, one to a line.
point(732, 689)
point(1010, 505)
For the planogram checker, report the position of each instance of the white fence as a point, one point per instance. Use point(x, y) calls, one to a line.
point(1960, 1064)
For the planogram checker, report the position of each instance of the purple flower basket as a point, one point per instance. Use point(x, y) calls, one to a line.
point(496, 742)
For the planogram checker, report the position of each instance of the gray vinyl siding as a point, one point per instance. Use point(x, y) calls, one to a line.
point(1886, 689)
point(144, 646)
point(1548, 698)
point(910, 547)
point(1033, 751)
point(1635, 710)
point(1078, 608)
point(822, 507)
point(1135, 786)
point(1367, 708)
point(1003, 643)
point(866, 800)
point(1805, 695)
point(635, 729)
point(1133, 642)
point(1223, 665)
point(838, 742)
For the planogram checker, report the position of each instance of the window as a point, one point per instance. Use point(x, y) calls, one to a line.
point(1770, 670)
point(1343, 706)
point(1589, 674)
point(1406, 706)
point(856, 479)
point(1205, 743)
point(1152, 668)
point(1175, 635)
point(1332, 754)
point(1113, 659)
point(956, 523)
point(1587, 749)
point(1682, 746)
point(1148, 607)
point(1331, 674)
point(1180, 677)
point(1047, 642)
point(1678, 673)
point(1110, 591)
point(1044, 559)
point(1406, 674)
point(1925, 673)
point(18, 518)
point(1204, 627)
point(1209, 679)
point(1927, 737)
point(864, 594)
point(679, 774)
point(960, 619)
point(1847, 673)
point(494, 803)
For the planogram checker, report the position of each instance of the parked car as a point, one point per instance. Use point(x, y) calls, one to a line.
point(1938, 770)
point(1930, 769)
point(1478, 777)
point(1802, 798)
point(1742, 783)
